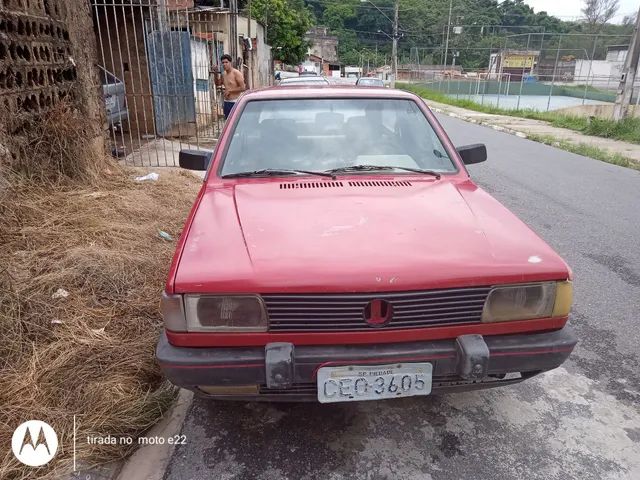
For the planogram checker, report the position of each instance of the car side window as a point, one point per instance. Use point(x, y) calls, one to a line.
point(107, 78)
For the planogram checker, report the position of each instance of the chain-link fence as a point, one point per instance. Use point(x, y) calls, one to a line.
point(539, 71)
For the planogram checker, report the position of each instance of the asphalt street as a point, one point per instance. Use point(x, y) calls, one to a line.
point(581, 421)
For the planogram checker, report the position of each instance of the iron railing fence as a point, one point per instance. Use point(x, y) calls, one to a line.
point(156, 60)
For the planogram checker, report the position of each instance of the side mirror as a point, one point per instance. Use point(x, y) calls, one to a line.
point(471, 154)
point(194, 159)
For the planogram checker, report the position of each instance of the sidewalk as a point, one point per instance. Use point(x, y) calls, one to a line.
point(524, 128)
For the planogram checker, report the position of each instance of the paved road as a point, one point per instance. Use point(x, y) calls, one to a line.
point(581, 421)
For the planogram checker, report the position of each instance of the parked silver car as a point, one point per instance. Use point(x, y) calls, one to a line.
point(370, 82)
point(304, 80)
point(115, 98)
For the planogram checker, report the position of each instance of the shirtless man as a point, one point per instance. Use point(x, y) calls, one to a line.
point(233, 81)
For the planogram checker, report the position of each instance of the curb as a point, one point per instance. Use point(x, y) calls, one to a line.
point(150, 461)
point(498, 128)
point(537, 138)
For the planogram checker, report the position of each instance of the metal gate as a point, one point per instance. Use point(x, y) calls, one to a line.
point(156, 63)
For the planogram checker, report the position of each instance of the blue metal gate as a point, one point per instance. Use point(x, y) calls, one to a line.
point(169, 54)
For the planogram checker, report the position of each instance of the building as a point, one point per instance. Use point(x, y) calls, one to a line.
point(384, 73)
point(47, 55)
point(617, 53)
point(165, 52)
point(320, 66)
point(516, 63)
point(322, 55)
point(352, 72)
point(322, 45)
point(603, 73)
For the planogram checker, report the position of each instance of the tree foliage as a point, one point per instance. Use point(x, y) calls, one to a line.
point(599, 12)
point(363, 30)
point(287, 22)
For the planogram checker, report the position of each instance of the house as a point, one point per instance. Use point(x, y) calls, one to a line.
point(515, 63)
point(322, 44)
point(165, 51)
point(322, 55)
point(603, 73)
point(320, 66)
point(617, 53)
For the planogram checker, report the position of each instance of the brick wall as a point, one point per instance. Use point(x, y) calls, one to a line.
point(47, 53)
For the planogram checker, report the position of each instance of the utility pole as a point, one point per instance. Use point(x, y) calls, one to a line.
point(395, 43)
point(446, 47)
point(394, 38)
point(625, 90)
point(233, 31)
point(250, 56)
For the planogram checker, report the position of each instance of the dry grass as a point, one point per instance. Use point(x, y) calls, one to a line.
point(90, 354)
point(57, 146)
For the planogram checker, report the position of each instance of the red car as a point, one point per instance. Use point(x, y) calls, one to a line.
point(338, 250)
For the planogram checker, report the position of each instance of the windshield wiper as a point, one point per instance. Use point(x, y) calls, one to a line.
point(373, 168)
point(277, 171)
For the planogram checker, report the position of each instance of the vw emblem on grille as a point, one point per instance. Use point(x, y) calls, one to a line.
point(378, 313)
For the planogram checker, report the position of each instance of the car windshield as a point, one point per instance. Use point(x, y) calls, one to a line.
point(325, 134)
point(108, 78)
point(370, 81)
point(303, 80)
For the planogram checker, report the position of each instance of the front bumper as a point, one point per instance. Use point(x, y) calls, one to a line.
point(285, 372)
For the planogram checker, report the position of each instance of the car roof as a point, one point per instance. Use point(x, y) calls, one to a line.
point(326, 91)
point(305, 78)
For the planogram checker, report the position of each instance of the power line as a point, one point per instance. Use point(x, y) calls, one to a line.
point(363, 5)
point(422, 33)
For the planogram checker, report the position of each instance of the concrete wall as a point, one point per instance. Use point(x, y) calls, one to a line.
point(262, 61)
point(261, 55)
point(598, 73)
point(323, 45)
point(600, 111)
point(47, 53)
point(325, 48)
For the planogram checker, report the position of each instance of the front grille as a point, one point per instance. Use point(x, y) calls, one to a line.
point(340, 312)
point(438, 381)
point(295, 389)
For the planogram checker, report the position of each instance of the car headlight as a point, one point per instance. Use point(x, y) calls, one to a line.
point(172, 308)
point(225, 313)
point(523, 302)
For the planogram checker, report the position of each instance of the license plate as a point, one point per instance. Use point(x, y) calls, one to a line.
point(373, 382)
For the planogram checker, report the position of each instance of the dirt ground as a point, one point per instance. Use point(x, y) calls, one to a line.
point(82, 267)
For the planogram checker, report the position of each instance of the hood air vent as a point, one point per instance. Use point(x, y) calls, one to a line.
point(287, 186)
point(363, 183)
point(380, 183)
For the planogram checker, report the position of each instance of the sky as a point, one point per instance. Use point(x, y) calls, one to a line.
point(570, 9)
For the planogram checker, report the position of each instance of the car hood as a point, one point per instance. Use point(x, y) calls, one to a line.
point(369, 236)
